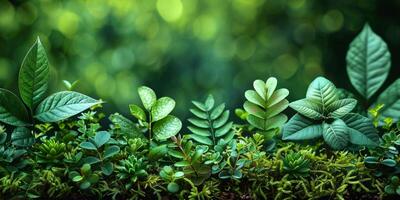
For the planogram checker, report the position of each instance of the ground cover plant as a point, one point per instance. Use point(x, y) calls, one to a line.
point(332, 148)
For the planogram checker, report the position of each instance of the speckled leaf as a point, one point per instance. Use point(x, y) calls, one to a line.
point(147, 96)
point(162, 108)
point(137, 112)
point(167, 127)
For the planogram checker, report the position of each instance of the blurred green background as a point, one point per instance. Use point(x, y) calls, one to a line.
point(189, 48)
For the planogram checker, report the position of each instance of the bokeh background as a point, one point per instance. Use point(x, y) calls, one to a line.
point(189, 48)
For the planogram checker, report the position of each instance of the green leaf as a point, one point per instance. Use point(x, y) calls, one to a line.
point(111, 151)
point(91, 160)
point(301, 128)
point(137, 112)
point(275, 122)
point(167, 127)
point(22, 137)
point(202, 139)
point(253, 109)
point(271, 84)
point(198, 113)
point(62, 105)
point(183, 163)
point(361, 130)
point(389, 162)
point(85, 185)
point(260, 88)
point(336, 134)
point(391, 100)
point(88, 145)
point(308, 108)
point(107, 168)
point(126, 126)
point(12, 110)
point(101, 138)
point(221, 120)
point(147, 96)
point(209, 104)
point(253, 97)
point(277, 96)
point(224, 129)
point(34, 75)
point(341, 107)
point(77, 178)
point(199, 131)
point(157, 152)
point(199, 123)
point(277, 108)
point(322, 91)
point(173, 187)
point(368, 62)
point(162, 108)
point(217, 111)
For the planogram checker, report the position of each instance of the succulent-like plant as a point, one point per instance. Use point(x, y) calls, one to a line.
point(264, 106)
point(50, 151)
point(132, 168)
point(296, 164)
point(211, 125)
point(323, 114)
point(171, 176)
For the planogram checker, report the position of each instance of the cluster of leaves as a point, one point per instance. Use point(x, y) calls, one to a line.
point(148, 157)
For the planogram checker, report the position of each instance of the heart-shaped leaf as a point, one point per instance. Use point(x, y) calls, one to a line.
point(34, 75)
point(336, 134)
point(167, 127)
point(361, 130)
point(322, 91)
point(101, 138)
point(62, 105)
point(390, 98)
point(341, 107)
point(22, 137)
point(308, 108)
point(12, 110)
point(368, 62)
point(162, 108)
point(301, 128)
point(147, 96)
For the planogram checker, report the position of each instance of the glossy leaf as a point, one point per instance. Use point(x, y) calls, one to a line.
point(167, 127)
point(34, 75)
point(308, 108)
point(301, 128)
point(137, 112)
point(88, 146)
point(12, 110)
point(336, 134)
point(368, 62)
point(391, 100)
point(111, 151)
point(322, 91)
point(162, 108)
point(254, 98)
point(22, 137)
point(253, 109)
point(62, 105)
point(341, 107)
point(259, 86)
point(361, 130)
point(147, 96)
point(101, 138)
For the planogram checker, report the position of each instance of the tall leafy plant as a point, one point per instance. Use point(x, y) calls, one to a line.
point(210, 124)
point(368, 65)
point(323, 114)
point(265, 105)
point(33, 82)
